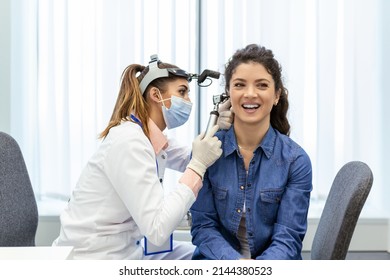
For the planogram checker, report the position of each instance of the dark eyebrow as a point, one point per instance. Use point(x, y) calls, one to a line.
point(263, 80)
point(185, 87)
point(258, 80)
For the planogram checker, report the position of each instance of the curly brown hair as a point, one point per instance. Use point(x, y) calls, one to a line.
point(259, 54)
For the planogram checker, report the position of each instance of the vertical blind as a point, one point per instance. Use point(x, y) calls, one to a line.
point(68, 56)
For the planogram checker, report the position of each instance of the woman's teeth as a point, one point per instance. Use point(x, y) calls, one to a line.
point(250, 106)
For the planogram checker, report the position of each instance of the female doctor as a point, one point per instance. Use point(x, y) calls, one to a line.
point(119, 198)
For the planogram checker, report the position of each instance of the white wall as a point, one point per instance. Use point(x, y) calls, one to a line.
point(5, 65)
point(385, 64)
point(48, 230)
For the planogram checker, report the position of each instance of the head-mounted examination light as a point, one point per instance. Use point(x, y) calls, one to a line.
point(155, 73)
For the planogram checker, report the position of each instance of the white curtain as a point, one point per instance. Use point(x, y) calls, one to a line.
point(330, 54)
point(68, 57)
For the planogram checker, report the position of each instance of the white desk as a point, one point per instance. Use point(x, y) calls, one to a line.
point(35, 253)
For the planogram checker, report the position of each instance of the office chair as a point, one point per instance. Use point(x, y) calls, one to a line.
point(18, 208)
point(345, 201)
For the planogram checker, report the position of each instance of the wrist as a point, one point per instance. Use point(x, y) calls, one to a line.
point(192, 180)
point(197, 167)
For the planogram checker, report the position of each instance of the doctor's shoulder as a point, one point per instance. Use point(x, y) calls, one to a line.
point(126, 135)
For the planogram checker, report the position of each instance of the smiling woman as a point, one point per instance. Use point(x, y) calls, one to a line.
point(260, 211)
point(252, 93)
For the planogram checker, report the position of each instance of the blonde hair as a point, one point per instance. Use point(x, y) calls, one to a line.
point(130, 98)
point(129, 101)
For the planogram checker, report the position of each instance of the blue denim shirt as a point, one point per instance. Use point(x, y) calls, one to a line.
point(276, 193)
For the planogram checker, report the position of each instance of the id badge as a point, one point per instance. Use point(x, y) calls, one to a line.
point(151, 249)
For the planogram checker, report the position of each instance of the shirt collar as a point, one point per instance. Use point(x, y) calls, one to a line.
point(267, 145)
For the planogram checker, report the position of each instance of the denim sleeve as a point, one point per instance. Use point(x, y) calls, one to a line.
point(291, 224)
point(206, 229)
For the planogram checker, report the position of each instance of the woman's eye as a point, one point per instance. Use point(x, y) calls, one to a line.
point(263, 85)
point(238, 85)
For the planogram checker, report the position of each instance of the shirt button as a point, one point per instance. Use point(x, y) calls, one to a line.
point(242, 187)
point(249, 209)
point(163, 156)
point(137, 242)
point(238, 210)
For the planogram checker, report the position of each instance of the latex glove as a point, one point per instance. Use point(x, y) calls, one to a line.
point(205, 151)
point(225, 118)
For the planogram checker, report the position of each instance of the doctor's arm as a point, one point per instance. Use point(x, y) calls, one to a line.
point(206, 149)
point(131, 168)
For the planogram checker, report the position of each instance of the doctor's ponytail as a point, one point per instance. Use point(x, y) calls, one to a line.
point(129, 101)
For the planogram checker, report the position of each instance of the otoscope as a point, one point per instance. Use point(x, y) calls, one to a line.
point(217, 99)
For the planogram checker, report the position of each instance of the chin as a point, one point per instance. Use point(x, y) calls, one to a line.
point(248, 121)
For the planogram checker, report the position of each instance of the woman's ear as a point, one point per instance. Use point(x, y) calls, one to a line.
point(155, 95)
point(278, 93)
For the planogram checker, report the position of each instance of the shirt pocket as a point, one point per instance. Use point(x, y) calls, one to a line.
point(268, 204)
point(220, 200)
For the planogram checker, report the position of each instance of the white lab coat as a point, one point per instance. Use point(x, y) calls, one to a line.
point(119, 198)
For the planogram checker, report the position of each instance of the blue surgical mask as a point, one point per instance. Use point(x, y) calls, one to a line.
point(179, 112)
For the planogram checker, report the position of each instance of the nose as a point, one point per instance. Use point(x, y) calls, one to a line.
point(251, 91)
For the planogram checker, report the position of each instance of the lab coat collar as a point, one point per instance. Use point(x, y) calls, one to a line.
point(157, 138)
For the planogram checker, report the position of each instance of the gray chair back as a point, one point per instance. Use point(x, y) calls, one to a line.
point(18, 207)
point(341, 212)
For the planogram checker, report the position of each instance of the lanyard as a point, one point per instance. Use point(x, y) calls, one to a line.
point(137, 121)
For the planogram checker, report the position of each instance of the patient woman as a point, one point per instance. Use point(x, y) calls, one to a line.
point(255, 197)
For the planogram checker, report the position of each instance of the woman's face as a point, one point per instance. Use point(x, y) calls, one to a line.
point(179, 88)
point(252, 94)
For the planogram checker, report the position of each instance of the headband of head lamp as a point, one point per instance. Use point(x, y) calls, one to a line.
point(155, 73)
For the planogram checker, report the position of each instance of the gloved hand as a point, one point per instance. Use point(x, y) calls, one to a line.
point(205, 151)
point(225, 115)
